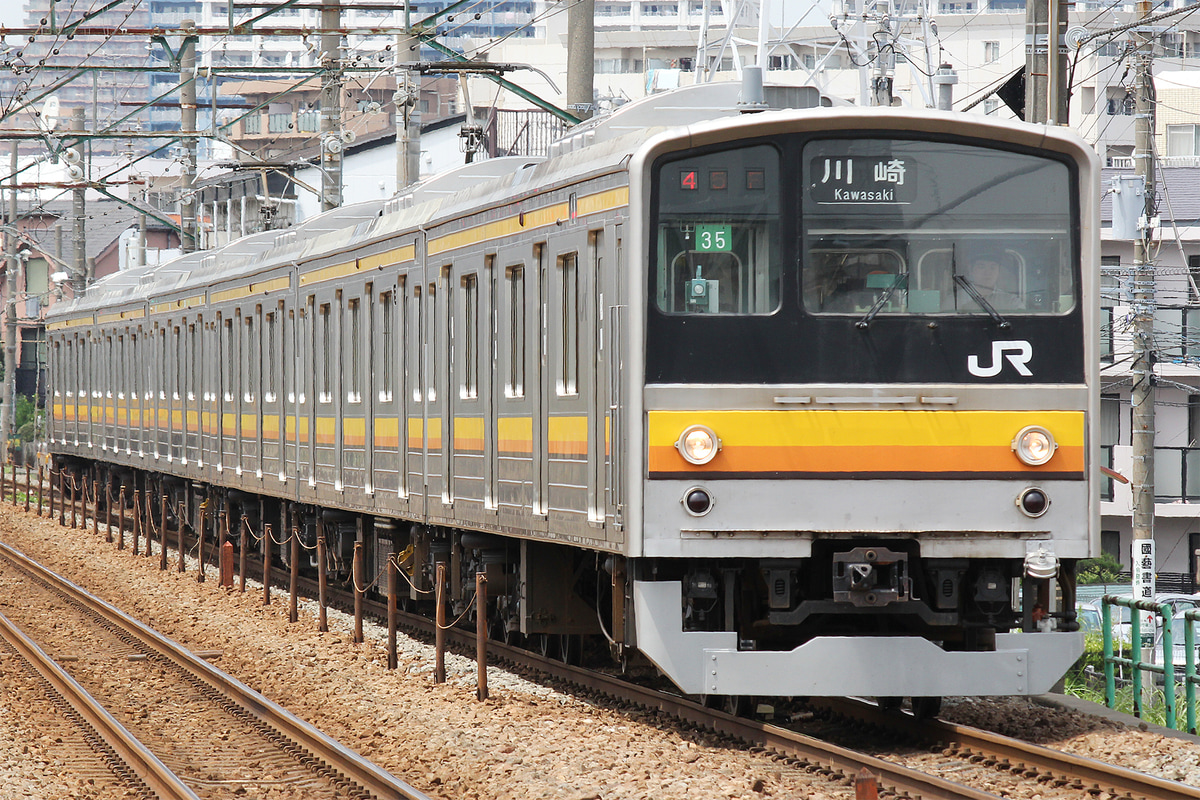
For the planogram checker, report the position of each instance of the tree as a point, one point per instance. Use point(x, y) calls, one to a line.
point(1105, 569)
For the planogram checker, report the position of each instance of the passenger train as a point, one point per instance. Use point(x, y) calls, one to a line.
point(794, 401)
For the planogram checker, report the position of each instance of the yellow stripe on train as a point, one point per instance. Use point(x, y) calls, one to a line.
point(812, 441)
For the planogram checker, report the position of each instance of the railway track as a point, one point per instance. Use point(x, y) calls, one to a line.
point(169, 723)
point(955, 749)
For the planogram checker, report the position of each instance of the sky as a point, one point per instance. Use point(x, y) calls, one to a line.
point(12, 13)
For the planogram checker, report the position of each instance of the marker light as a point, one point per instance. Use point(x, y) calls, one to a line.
point(1033, 502)
point(1034, 445)
point(697, 501)
point(698, 444)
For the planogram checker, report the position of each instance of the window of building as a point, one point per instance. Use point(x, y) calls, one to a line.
point(1183, 140)
point(1119, 101)
point(991, 52)
point(279, 123)
point(252, 123)
point(1110, 544)
point(309, 120)
point(991, 105)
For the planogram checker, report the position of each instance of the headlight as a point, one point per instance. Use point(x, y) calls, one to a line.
point(1034, 445)
point(698, 444)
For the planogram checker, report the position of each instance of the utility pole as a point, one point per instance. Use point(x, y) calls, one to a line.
point(331, 106)
point(885, 57)
point(78, 210)
point(1142, 395)
point(187, 121)
point(7, 415)
point(408, 108)
point(581, 57)
point(1045, 67)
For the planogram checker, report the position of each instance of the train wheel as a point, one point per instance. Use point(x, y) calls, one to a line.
point(570, 648)
point(737, 705)
point(544, 645)
point(889, 703)
point(926, 707)
point(512, 636)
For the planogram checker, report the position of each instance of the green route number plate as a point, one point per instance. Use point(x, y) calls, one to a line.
point(714, 238)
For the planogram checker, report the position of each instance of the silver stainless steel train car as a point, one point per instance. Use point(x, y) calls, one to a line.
point(800, 402)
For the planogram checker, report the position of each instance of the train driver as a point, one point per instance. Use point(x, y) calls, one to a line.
point(988, 274)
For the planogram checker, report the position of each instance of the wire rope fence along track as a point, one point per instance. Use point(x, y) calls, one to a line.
point(1026, 761)
point(967, 742)
point(130, 760)
point(793, 745)
point(801, 750)
point(354, 775)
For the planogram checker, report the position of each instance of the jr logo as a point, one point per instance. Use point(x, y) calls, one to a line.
point(1017, 352)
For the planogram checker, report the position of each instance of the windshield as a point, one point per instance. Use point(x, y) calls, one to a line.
point(718, 233)
point(973, 230)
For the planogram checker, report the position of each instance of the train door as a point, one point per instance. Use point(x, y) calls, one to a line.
point(273, 421)
point(566, 422)
point(488, 378)
point(306, 392)
point(437, 405)
point(612, 398)
point(592, 352)
point(382, 417)
point(515, 390)
point(111, 388)
point(353, 402)
point(325, 392)
point(539, 380)
point(177, 400)
point(287, 390)
point(468, 420)
point(415, 423)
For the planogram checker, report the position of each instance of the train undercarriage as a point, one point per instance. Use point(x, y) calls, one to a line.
point(871, 599)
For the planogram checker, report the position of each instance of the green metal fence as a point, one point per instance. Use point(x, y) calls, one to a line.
point(1144, 658)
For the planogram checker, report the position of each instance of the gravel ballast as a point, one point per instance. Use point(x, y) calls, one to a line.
point(524, 741)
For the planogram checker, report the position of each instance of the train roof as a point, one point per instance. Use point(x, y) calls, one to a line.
point(592, 148)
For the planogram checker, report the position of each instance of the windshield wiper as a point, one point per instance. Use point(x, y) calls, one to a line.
point(970, 289)
point(883, 298)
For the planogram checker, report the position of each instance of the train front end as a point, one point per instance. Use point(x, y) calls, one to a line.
point(869, 403)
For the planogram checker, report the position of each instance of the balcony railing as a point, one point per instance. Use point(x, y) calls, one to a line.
point(1176, 474)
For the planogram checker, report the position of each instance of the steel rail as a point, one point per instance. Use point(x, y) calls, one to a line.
point(1121, 781)
point(355, 767)
point(144, 764)
point(895, 777)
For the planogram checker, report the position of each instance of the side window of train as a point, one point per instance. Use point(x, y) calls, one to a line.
point(325, 322)
point(385, 353)
point(229, 361)
point(353, 352)
point(271, 356)
point(418, 322)
point(432, 352)
point(717, 233)
point(514, 386)
point(568, 274)
point(470, 337)
point(249, 354)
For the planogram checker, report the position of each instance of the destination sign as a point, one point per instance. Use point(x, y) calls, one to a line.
point(862, 180)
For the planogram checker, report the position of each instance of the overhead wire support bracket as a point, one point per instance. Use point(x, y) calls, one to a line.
point(461, 62)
